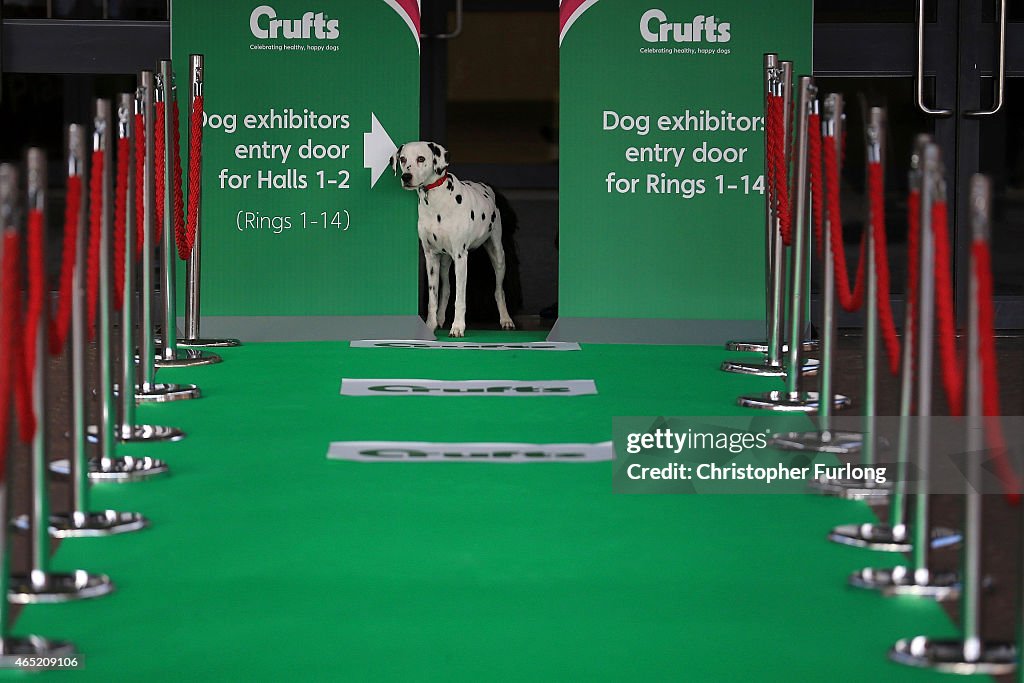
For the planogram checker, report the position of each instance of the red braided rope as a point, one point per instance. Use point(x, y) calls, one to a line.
point(179, 202)
point(817, 191)
point(93, 256)
point(876, 194)
point(61, 322)
point(33, 315)
point(994, 436)
point(195, 185)
point(22, 398)
point(849, 300)
point(36, 274)
point(8, 334)
point(159, 153)
point(769, 152)
point(120, 217)
point(952, 373)
point(780, 176)
point(140, 184)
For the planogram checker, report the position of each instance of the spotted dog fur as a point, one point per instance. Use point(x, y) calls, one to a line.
point(454, 217)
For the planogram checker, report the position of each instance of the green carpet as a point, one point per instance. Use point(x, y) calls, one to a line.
point(267, 561)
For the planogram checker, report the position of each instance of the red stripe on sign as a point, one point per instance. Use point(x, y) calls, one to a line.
point(409, 11)
point(565, 10)
point(568, 12)
point(412, 8)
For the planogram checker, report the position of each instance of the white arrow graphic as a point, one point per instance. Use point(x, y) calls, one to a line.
point(378, 148)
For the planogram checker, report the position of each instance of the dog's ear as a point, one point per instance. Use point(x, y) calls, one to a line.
point(441, 158)
point(395, 163)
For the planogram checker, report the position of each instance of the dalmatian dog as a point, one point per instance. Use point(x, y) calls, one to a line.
point(454, 217)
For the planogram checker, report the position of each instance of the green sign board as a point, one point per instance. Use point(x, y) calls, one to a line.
point(304, 101)
point(661, 191)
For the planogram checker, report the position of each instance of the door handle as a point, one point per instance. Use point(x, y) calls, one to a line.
point(458, 26)
point(997, 98)
point(919, 80)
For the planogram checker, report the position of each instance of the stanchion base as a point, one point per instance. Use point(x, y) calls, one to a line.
point(840, 443)
point(149, 433)
point(740, 367)
point(162, 393)
point(853, 489)
point(209, 343)
point(789, 402)
point(116, 470)
point(128, 433)
point(88, 524)
point(762, 347)
point(949, 656)
point(63, 587)
point(14, 648)
point(884, 538)
point(901, 581)
point(186, 358)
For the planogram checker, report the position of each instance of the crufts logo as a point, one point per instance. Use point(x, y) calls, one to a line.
point(656, 28)
point(263, 23)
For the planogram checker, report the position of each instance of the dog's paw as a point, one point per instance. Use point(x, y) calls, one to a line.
point(431, 324)
point(507, 324)
point(457, 330)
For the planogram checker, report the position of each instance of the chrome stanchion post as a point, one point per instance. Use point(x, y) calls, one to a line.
point(127, 429)
point(801, 245)
point(898, 501)
point(875, 135)
point(109, 467)
point(81, 520)
point(193, 265)
point(13, 647)
point(777, 75)
point(148, 390)
point(778, 80)
point(833, 120)
point(40, 584)
point(777, 338)
point(864, 489)
point(79, 465)
point(826, 439)
point(147, 347)
point(970, 654)
point(792, 399)
point(801, 179)
point(170, 356)
point(772, 71)
point(918, 579)
point(895, 536)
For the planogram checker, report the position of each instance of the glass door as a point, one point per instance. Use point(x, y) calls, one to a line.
point(991, 141)
point(900, 55)
point(489, 79)
point(490, 88)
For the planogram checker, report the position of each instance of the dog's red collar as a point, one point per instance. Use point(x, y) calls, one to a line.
point(437, 183)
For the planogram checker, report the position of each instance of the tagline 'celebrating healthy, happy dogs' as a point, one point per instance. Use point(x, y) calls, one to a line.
point(454, 217)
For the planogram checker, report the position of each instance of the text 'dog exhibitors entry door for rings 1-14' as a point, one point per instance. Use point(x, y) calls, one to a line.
point(661, 178)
